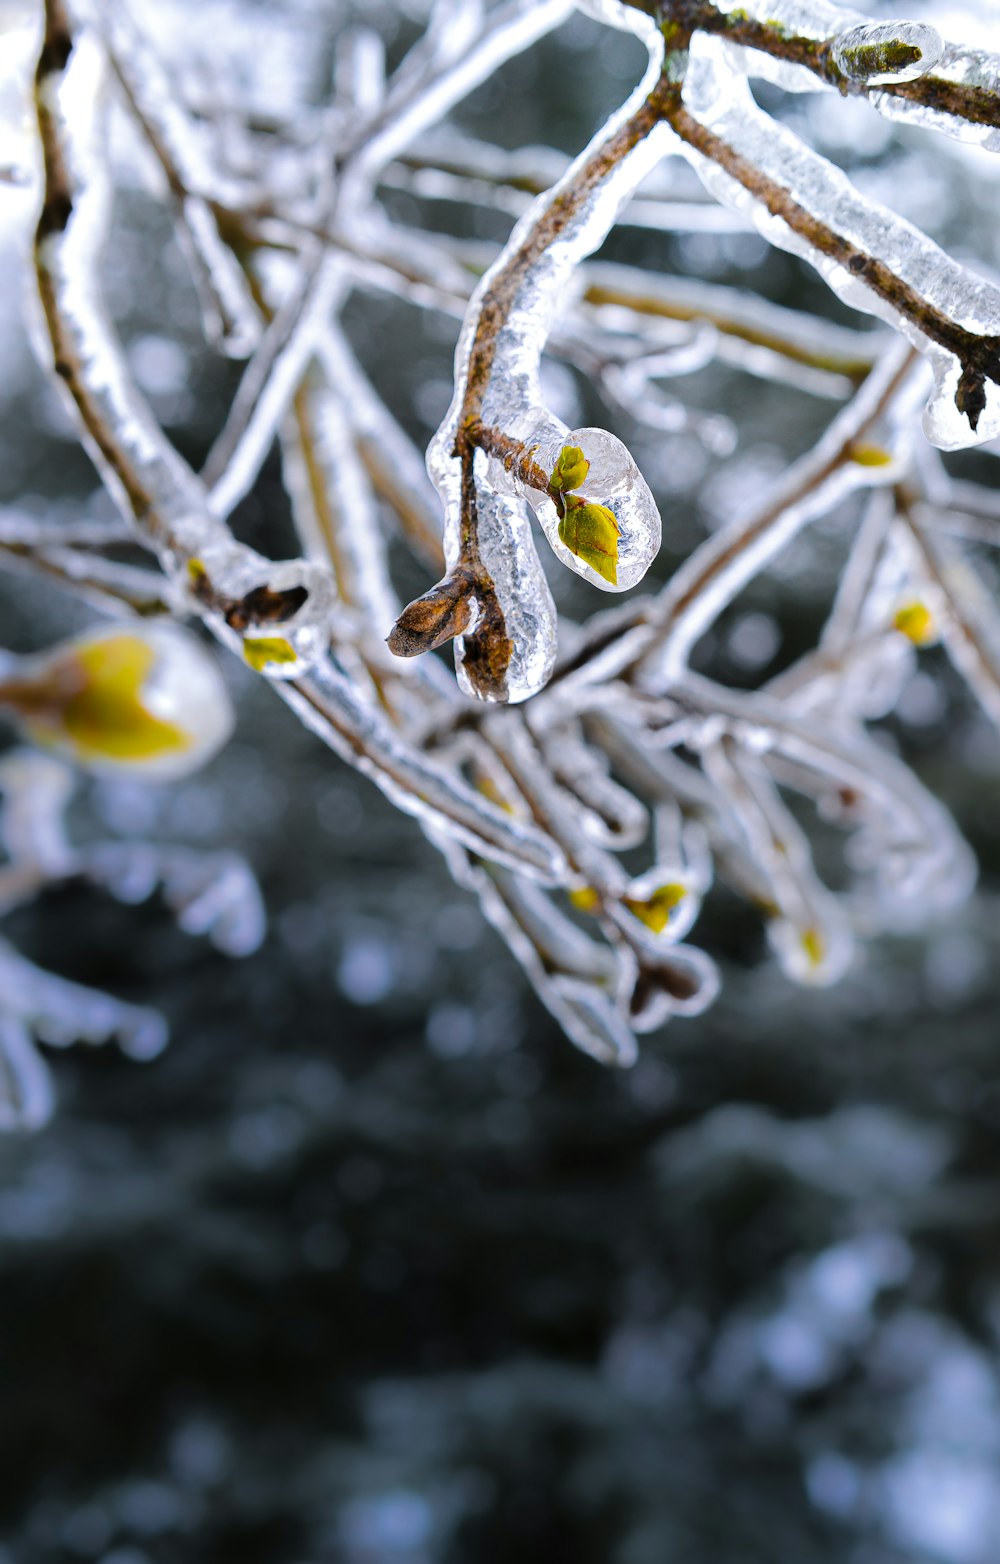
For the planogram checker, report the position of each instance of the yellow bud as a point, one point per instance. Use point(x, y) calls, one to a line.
point(585, 899)
point(488, 788)
point(870, 455)
point(570, 470)
point(654, 911)
point(259, 651)
point(916, 622)
point(814, 946)
point(144, 697)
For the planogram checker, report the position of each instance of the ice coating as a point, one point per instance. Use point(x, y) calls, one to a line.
point(508, 553)
point(711, 578)
point(210, 894)
point(719, 96)
point(169, 496)
point(41, 1008)
point(319, 290)
point(919, 851)
point(808, 929)
point(498, 356)
point(877, 53)
point(798, 18)
point(976, 69)
point(679, 980)
point(621, 972)
point(230, 317)
point(819, 22)
point(581, 983)
point(36, 789)
point(26, 1098)
point(962, 610)
point(611, 816)
point(280, 609)
point(165, 500)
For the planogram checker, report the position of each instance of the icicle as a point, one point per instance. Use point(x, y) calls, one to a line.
point(509, 557)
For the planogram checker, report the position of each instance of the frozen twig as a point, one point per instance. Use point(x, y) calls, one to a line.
point(619, 746)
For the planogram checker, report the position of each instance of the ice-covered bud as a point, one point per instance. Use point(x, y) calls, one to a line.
point(814, 956)
point(590, 497)
point(145, 697)
point(879, 54)
point(280, 609)
point(656, 906)
point(591, 532)
point(872, 457)
point(610, 469)
point(916, 621)
point(609, 529)
point(665, 900)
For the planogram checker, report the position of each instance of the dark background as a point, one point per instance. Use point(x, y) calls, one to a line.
point(370, 1267)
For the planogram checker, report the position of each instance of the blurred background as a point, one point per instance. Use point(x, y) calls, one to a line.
point(369, 1267)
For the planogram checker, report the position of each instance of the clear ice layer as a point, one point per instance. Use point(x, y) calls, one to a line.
point(879, 53)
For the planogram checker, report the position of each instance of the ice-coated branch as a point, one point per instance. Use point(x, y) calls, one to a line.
point(656, 636)
point(870, 257)
point(594, 506)
point(210, 894)
point(905, 69)
point(289, 342)
point(970, 623)
point(276, 616)
point(618, 746)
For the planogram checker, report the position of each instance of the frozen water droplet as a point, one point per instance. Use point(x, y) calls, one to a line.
point(878, 53)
